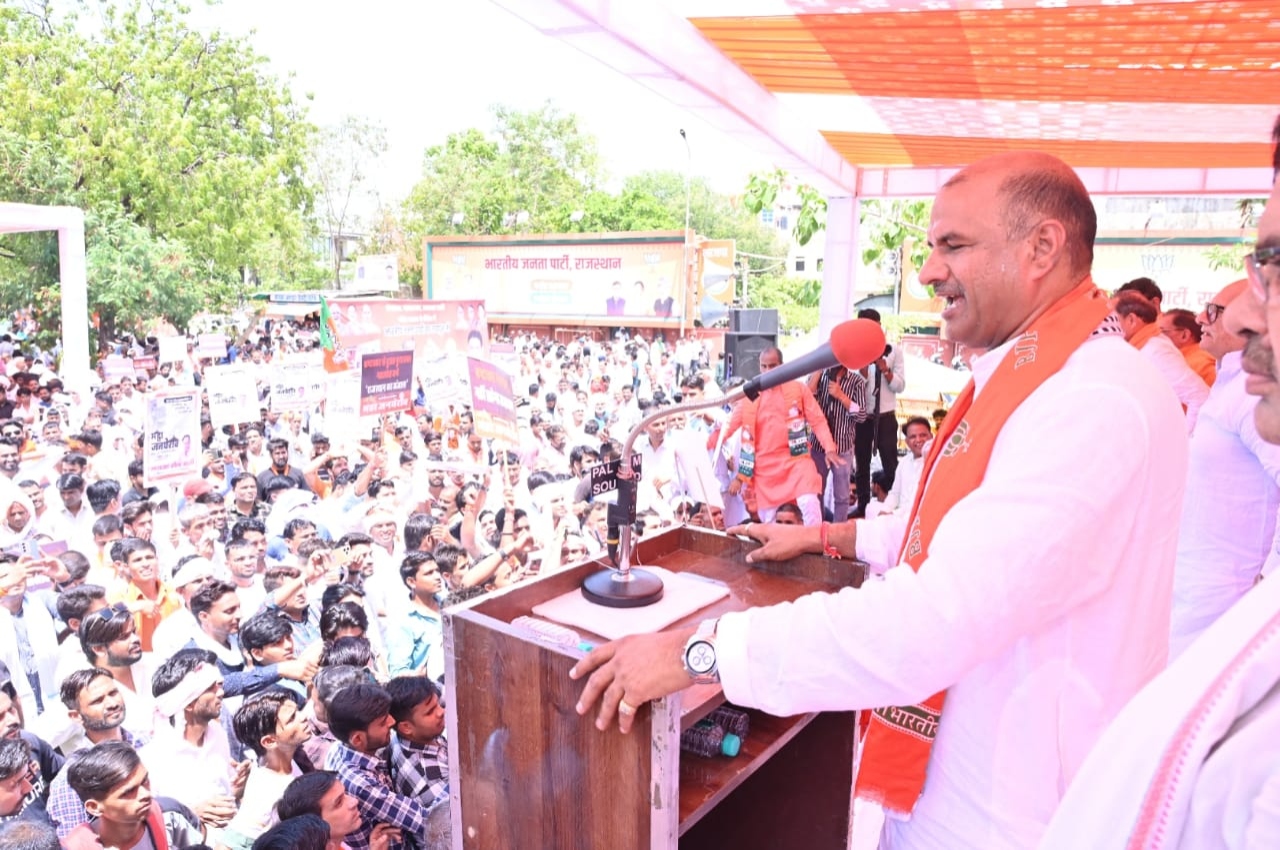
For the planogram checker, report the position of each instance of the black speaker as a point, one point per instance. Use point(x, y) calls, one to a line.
point(754, 321)
point(742, 354)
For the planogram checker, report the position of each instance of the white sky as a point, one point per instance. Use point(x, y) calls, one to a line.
point(426, 68)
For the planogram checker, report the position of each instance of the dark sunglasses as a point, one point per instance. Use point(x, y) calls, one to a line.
point(1213, 312)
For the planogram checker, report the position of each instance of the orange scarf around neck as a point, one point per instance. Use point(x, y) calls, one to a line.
point(900, 739)
point(1145, 335)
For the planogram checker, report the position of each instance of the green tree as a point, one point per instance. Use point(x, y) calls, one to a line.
point(138, 118)
point(888, 228)
point(894, 230)
point(535, 165)
point(339, 169)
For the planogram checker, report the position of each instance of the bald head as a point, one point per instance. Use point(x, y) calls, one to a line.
point(1215, 338)
point(1035, 187)
point(1011, 235)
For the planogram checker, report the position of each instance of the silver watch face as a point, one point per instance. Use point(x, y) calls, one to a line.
point(700, 657)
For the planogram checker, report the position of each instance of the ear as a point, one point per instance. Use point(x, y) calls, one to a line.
point(270, 742)
point(403, 728)
point(93, 808)
point(74, 715)
point(1048, 245)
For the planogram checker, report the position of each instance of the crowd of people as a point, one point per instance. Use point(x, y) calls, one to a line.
point(189, 662)
point(254, 657)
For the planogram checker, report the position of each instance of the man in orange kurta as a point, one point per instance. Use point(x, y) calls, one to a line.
point(774, 456)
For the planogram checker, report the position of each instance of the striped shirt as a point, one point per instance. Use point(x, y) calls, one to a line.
point(839, 419)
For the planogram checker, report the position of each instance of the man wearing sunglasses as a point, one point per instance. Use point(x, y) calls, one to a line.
point(1233, 490)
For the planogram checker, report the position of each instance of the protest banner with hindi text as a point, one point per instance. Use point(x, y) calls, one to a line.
point(493, 403)
point(171, 436)
point(386, 381)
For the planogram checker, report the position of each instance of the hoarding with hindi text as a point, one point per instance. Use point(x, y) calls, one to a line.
point(615, 278)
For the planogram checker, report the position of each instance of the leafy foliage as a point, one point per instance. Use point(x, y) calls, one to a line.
point(537, 163)
point(795, 299)
point(338, 166)
point(544, 164)
point(891, 227)
point(187, 156)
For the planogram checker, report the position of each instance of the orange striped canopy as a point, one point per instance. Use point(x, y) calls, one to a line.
point(941, 83)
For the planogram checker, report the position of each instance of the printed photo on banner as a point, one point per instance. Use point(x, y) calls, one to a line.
point(171, 436)
point(386, 382)
point(493, 403)
point(233, 395)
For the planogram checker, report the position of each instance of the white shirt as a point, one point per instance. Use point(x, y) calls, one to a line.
point(176, 631)
point(1229, 511)
point(1187, 385)
point(906, 481)
point(888, 389)
point(1202, 740)
point(681, 463)
point(188, 773)
point(1040, 616)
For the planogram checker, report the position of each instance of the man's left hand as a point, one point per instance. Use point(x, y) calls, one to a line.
point(633, 671)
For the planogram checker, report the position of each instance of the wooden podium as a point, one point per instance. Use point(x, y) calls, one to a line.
point(528, 772)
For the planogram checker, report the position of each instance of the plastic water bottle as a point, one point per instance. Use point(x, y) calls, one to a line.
point(707, 739)
point(731, 719)
point(552, 633)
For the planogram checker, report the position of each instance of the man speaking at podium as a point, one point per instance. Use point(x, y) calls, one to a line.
point(1026, 603)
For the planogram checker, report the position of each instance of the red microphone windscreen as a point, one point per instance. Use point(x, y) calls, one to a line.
point(857, 342)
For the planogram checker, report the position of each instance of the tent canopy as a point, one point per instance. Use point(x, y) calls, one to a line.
point(888, 97)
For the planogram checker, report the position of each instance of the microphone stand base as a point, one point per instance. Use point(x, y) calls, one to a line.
point(639, 589)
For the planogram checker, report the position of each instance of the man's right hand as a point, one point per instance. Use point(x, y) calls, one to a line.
point(780, 541)
point(218, 810)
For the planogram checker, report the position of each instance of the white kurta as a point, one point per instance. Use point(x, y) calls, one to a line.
point(1202, 740)
point(1042, 608)
point(1229, 510)
point(906, 481)
point(1189, 387)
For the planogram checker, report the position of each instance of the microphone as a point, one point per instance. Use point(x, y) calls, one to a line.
point(854, 344)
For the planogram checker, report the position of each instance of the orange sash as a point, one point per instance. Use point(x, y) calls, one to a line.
point(899, 739)
point(1144, 335)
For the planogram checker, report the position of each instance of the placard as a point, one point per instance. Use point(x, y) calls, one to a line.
point(116, 368)
point(172, 349)
point(171, 430)
point(493, 403)
point(213, 346)
point(604, 476)
point(146, 364)
point(386, 379)
point(233, 395)
point(297, 386)
point(342, 407)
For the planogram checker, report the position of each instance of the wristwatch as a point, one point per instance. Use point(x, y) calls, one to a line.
point(699, 657)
